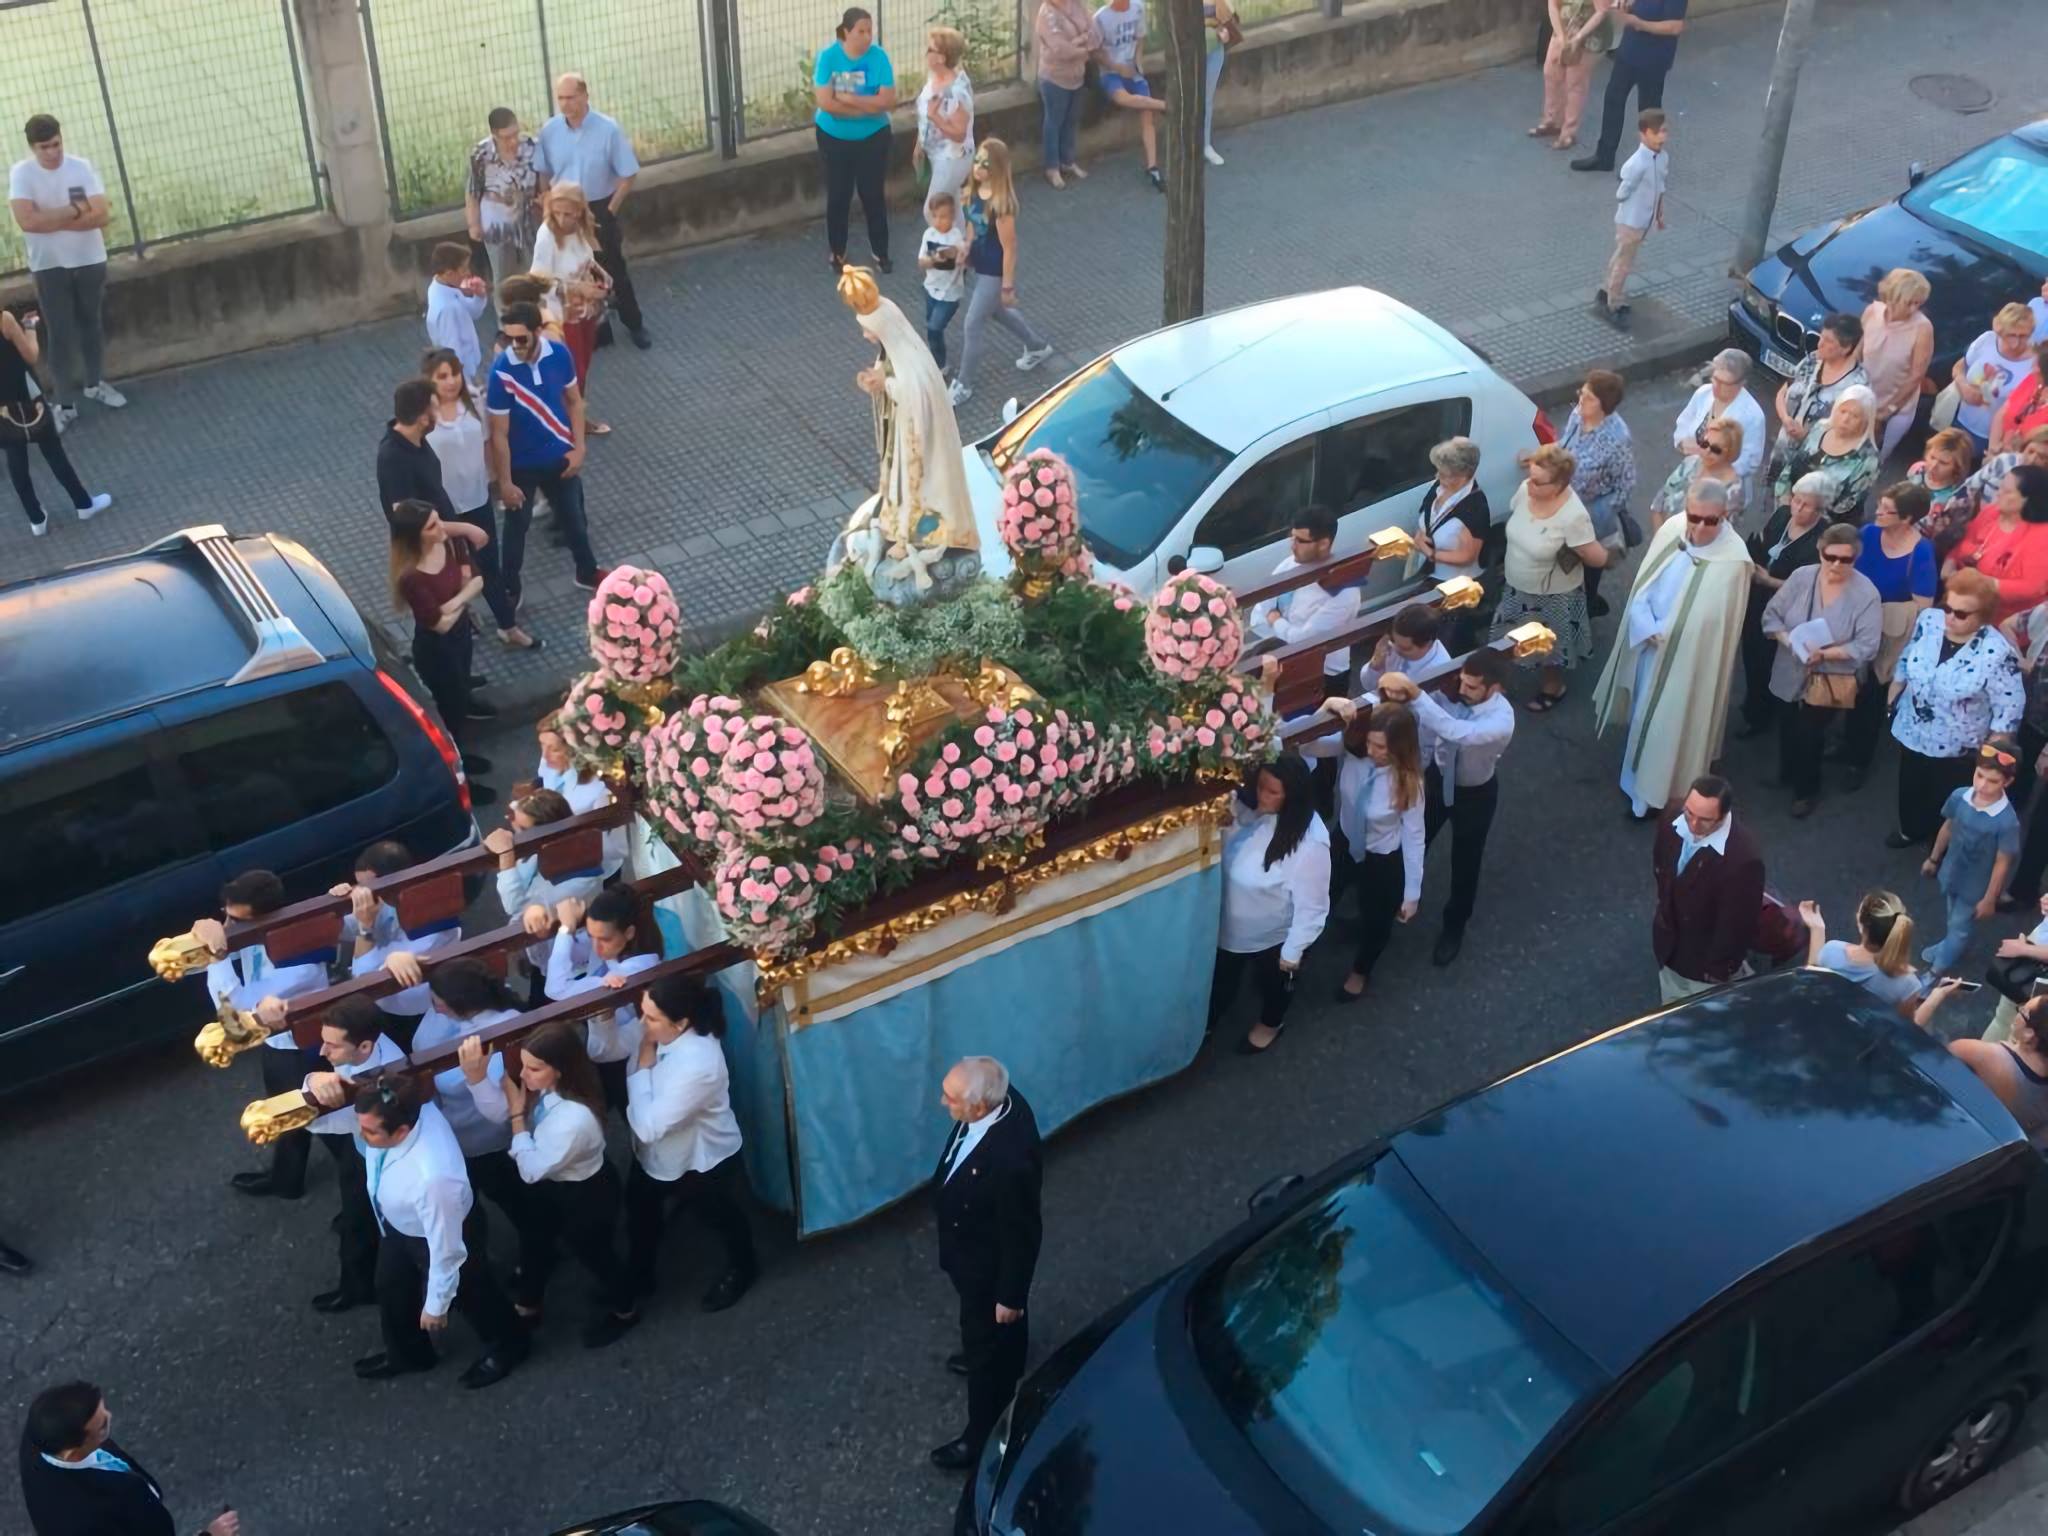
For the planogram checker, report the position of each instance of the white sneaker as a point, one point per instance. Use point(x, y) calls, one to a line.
point(1208, 153)
point(109, 396)
point(64, 415)
point(1032, 357)
point(958, 393)
point(39, 527)
point(98, 504)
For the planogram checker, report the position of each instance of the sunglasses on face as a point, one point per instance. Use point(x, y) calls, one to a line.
point(1702, 522)
point(1990, 754)
point(1958, 613)
point(1838, 559)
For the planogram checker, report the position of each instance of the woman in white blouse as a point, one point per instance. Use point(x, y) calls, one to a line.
point(686, 1140)
point(555, 1107)
point(584, 788)
point(1276, 895)
point(1380, 814)
point(527, 894)
point(466, 999)
point(458, 437)
point(945, 114)
point(602, 945)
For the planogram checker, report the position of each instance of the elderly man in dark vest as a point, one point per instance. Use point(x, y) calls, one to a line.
point(1710, 892)
point(985, 1194)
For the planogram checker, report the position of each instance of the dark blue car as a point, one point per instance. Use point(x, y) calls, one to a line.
point(1977, 230)
point(168, 719)
point(1759, 1265)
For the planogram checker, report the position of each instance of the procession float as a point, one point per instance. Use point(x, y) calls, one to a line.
point(915, 813)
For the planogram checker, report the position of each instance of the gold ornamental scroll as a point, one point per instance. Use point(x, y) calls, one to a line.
point(931, 941)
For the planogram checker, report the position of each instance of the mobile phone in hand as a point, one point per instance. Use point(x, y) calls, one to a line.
point(1973, 986)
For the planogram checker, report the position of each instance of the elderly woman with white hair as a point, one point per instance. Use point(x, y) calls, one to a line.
point(1898, 344)
point(1789, 542)
point(1724, 395)
point(1844, 449)
point(1451, 527)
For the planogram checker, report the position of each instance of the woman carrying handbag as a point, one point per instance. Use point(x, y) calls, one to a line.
point(25, 418)
point(1827, 622)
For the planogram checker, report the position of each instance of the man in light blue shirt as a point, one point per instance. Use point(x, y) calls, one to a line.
point(591, 150)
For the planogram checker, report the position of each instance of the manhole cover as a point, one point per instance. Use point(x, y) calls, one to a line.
point(1955, 93)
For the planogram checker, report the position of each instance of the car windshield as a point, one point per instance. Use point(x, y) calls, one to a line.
point(1373, 1361)
point(1996, 195)
point(1137, 469)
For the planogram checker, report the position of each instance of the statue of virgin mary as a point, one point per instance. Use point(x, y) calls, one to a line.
point(914, 539)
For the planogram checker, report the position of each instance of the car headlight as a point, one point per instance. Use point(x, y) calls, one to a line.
point(1758, 308)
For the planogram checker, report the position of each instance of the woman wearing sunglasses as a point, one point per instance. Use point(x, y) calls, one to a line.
point(2008, 541)
point(1957, 683)
point(1826, 622)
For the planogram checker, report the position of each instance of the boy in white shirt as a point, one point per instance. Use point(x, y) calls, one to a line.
point(942, 255)
point(455, 300)
point(1639, 204)
point(1122, 24)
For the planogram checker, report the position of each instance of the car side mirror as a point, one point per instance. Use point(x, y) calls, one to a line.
point(1267, 1195)
point(1915, 174)
point(1009, 410)
point(1205, 558)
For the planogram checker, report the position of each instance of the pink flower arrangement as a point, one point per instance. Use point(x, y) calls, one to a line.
point(769, 904)
point(598, 724)
point(1122, 598)
point(634, 625)
point(1014, 771)
point(1040, 520)
point(1192, 630)
point(1232, 730)
point(721, 776)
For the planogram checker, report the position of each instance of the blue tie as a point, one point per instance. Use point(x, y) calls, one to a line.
point(255, 965)
point(1686, 852)
point(538, 1108)
point(377, 1178)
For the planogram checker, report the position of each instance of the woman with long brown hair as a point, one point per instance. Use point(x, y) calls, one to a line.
point(555, 1107)
point(433, 576)
point(459, 439)
point(565, 252)
point(1380, 816)
point(990, 205)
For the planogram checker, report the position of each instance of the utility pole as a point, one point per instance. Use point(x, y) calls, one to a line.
point(1185, 216)
point(1770, 160)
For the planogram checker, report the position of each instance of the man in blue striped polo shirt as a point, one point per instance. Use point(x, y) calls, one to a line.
point(537, 441)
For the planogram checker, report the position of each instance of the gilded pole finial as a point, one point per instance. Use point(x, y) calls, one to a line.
point(178, 956)
point(267, 1119)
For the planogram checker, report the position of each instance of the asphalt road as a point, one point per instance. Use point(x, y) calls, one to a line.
point(812, 1403)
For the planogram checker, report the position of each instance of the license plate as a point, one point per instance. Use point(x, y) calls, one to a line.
point(1784, 367)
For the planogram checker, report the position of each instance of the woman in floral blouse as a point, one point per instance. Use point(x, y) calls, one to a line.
point(1957, 683)
point(1805, 399)
point(1600, 446)
point(1944, 474)
point(1845, 450)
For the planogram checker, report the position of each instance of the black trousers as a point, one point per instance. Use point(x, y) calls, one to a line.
point(1470, 817)
point(1276, 986)
point(565, 495)
point(444, 663)
point(1380, 878)
point(1802, 738)
point(650, 1203)
point(356, 1229)
point(995, 1354)
point(1924, 787)
point(402, 1293)
point(856, 165)
point(1865, 727)
point(611, 255)
point(493, 1176)
point(579, 1217)
point(46, 438)
point(1759, 651)
point(612, 1075)
point(284, 1071)
point(490, 566)
point(1622, 78)
point(2026, 875)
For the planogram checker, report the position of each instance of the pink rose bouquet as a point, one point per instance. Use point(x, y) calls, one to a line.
point(1223, 735)
point(769, 905)
point(1192, 630)
point(1015, 769)
point(719, 775)
point(634, 625)
point(1040, 520)
point(598, 723)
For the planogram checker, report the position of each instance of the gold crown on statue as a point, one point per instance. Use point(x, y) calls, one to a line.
point(857, 290)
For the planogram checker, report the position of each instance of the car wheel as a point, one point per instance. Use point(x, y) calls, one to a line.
point(1967, 1450)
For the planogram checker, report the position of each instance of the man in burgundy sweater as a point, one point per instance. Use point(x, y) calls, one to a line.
point(1710, 890)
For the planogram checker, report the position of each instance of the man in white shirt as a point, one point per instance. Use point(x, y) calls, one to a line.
point(1411, 646)
point(456, 298)
point(430, 1253)
point(353, 1044)
point(60, 206)
point(372, 938)
point(245, 979)
point(586, 147)
point(1463, 743)
point(1312, 612)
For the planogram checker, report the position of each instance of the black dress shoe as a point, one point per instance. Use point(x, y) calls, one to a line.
point(884, 265)
point(338, 1300)
point(1447, 946)
point(640, 337)
point(14, 1262)
point(478, 680)
point(1749, 730)
point(474, 763)
point(494, 1365)
point(957, 1364)
point(382, 1367)
point(1899, 840)
point(728, 1289)
point(1592, 163)
point(609, 1329)
point(954, 1455)
point(482, 794)
point(479, 710)
point(262, 1184)
point(1853, 778)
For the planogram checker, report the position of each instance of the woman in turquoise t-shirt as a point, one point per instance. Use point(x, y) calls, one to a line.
point(856, 87)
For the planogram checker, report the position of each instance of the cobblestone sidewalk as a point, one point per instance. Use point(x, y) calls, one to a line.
point(740, 439)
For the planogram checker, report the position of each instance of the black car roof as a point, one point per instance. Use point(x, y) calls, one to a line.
point(104, 638)
point(1620, 1187)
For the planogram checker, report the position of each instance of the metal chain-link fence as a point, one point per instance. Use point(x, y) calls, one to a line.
point(192, 111)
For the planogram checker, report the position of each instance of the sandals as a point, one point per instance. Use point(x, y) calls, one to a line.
point(598, 428)
point(1544, 703)
point(1571, 143)
point(1543, 131)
